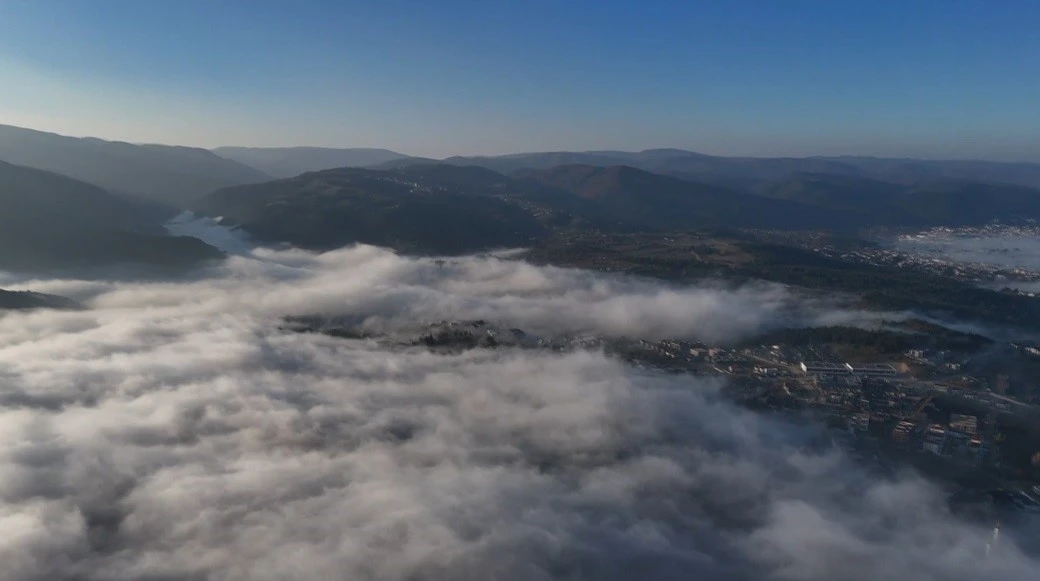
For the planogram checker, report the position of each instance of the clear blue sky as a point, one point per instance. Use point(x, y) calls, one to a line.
point(939, 78)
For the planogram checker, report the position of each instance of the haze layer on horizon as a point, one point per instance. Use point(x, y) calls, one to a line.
point(920, 79)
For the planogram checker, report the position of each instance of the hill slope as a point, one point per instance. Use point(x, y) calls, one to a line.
point(439, 214)
point(52, 221)
point(285, 162)
point(942, 202)
point(172, 175)
point(665, 203)
point(23, 300)
point(443, 208)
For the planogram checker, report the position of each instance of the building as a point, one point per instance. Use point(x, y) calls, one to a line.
point(934, 438)
point(901, 433)
point(964, 424)
point(872, 370)
point(860, 422)
point(819, 368)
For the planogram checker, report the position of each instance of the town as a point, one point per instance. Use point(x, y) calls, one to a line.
point(960, 429)
point(969, 420)
point(934, 409)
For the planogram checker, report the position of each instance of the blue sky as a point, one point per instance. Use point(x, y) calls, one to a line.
point(937, 78)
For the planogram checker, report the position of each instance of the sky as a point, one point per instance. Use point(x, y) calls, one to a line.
point(922, 78)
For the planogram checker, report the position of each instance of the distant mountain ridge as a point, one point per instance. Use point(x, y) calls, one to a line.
point(733, 172)
point(285, 162)
point(445, 208)
point(652, 201)
point(939, 202)
point(747, 171)
point(172, 175)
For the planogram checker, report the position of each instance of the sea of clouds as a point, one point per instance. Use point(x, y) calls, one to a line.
point(173, 431)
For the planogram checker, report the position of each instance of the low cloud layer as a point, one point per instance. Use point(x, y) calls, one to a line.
point(172, 432)
point(381, 291)
point(1005, 251)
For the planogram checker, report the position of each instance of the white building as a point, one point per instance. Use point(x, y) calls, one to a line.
point(964, 424)
point(824, 368)
point(872, 370)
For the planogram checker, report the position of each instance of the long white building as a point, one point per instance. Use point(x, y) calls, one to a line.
point(824, 368)
point(859, 370)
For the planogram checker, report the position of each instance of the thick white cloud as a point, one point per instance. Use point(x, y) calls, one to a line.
point(172, 431)
point(383, 291)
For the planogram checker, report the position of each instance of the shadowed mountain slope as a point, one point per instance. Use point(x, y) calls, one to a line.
point(168, 174)
point(446, 214)
point(937, 202)
point(50, 221)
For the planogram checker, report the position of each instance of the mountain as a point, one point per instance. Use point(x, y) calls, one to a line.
point(945, 202)
point(748, 172)
point(911, 171)
point(23, 300)
point(406, 162)
point(659, 202)
point(664, 161)
point(172, 175)
point(961, 203)
point(285, 162)
point(52, 221)
point(446, 211)
point(877, 201)
point(508, 164)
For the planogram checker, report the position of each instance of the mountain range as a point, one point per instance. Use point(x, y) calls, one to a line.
point(747, 172)
point(69, 201)
point(171, 175)
point(286, 162)
point(434, 208)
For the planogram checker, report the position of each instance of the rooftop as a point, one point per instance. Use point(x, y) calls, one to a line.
point(870, 367)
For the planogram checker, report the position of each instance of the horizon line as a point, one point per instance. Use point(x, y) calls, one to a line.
point(529, 152)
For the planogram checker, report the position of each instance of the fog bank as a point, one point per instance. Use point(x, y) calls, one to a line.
point(172, 431)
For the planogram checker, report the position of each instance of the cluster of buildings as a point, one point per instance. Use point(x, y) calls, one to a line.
point(959, 439)
point(905, 428)
point(876, 403)
point(1028, 349)
point(941, 359)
